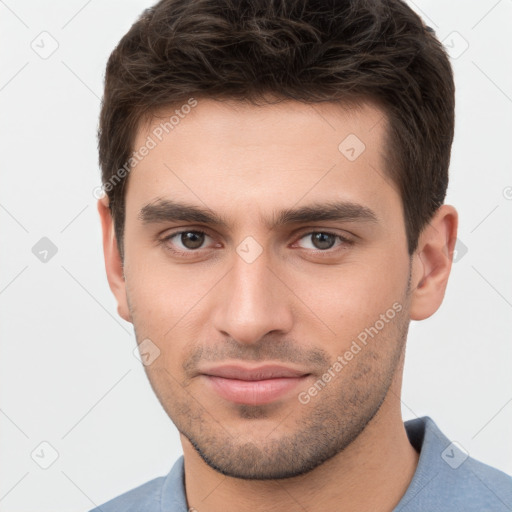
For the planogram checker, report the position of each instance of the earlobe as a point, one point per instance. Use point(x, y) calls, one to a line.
point(432, 263)
point(113, 262)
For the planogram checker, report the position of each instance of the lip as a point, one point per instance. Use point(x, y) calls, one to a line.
point(253, 386)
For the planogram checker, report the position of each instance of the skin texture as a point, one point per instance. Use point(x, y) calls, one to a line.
point(300, 304)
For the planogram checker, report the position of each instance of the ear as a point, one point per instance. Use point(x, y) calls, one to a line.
point(113, 263)
point(432, 263)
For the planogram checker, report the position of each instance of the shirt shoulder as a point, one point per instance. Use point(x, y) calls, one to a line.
point(448, 479)
point(165, 493)
point(145, 498)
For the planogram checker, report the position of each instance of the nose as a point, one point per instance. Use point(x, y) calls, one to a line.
point(252, 302)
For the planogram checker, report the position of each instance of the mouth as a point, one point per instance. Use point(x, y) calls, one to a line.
point(253, 386)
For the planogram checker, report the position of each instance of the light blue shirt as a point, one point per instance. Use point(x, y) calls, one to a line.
point(445, 480)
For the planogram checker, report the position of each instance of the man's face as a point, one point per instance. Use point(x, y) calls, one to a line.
point(251, 314)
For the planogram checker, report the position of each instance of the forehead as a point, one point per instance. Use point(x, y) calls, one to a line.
point(220, 153)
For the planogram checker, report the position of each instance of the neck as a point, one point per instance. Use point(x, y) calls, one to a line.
point(372, 473)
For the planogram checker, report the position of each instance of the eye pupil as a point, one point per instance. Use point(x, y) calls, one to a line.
point(192, 239)
point(323, 240)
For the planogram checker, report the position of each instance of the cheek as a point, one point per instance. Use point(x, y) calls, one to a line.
point(154, 282)
point(168, 302)
point(352, 297)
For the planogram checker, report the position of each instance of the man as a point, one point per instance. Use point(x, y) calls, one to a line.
point(275, 176)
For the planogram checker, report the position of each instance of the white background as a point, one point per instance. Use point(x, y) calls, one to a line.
point(68, 375)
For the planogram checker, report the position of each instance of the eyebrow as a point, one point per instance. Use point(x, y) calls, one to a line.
point(167, 210)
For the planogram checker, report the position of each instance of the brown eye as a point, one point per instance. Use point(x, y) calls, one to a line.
point(185, 241)
point(192, 239)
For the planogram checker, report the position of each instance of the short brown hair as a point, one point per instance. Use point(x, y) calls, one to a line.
point(305, 50)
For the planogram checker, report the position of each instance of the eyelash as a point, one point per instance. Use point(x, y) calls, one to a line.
point(328, 252)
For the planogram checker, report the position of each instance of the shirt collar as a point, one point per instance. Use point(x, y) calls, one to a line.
point(423, 434)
